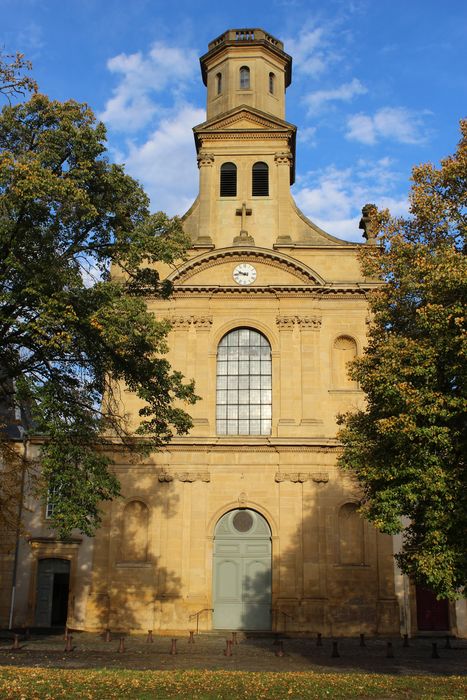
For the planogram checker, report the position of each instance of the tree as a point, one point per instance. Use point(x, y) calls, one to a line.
point(407, 448)
point(13, 81)
point(71, 333)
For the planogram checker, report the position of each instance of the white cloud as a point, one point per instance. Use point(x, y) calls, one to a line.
point(312, 54)
point(394, 123)
point(165, 163)
point(335, 198)
point(164, 69)
point(307, 135)
point(343, 93)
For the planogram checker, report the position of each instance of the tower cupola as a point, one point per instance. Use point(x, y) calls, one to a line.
point(246, 67)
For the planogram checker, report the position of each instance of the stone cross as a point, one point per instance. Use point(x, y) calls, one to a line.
point(243, 212)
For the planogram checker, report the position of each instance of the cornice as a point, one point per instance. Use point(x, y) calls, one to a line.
point(277, 291)
point(248, 444)
point(243, 135)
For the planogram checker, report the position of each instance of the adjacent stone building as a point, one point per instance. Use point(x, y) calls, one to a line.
point(246, 523)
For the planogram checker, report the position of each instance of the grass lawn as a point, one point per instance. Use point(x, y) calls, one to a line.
point(105, 684)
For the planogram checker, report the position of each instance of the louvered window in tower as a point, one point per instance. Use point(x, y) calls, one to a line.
point(228, 180)
point(260, 180)
point(272, 81)
point(244, 78)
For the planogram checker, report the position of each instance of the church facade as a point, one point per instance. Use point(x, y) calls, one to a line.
point(245, 523)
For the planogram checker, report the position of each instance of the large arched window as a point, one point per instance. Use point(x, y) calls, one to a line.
point(260, 180)
point(244, 78)
point(244, 384)
point(228, 180)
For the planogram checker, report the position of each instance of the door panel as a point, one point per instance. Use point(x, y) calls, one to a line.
point(228, 581)
point(432, 614)
point(53, 578)
point(242, 574)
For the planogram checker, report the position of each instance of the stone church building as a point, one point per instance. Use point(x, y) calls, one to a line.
point(245, 523)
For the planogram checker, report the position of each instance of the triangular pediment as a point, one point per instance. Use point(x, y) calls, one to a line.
point(244, 118)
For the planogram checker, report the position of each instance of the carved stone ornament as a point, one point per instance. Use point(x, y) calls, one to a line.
point(367, 224)
point(202, 321)
point(181, 322)
point(242, 498)
point(304, 322)
point(283, 158)
point(188, 477)
point(285, 322)
point(302, 477)
point(312, 323)
point(205, 159)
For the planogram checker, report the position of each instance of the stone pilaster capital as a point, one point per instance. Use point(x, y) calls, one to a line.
point(283, 158)
point(205, 159)
point(312, 323)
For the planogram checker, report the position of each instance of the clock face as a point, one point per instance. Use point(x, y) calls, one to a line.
point(244, 274)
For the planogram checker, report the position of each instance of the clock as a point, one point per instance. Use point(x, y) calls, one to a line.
point(244, 274)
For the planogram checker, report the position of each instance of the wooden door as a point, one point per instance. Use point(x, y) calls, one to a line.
point(53, 580)
point(432, 614)
point(242, 572)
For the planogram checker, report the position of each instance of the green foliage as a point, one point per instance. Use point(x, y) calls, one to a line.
point(408, 448)
point(13, 80)
point(71, 335)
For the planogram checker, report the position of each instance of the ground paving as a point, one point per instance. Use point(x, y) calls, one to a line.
point(251, 653)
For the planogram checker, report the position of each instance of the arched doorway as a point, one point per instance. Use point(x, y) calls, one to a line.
point(53, 583)
point(242, 571)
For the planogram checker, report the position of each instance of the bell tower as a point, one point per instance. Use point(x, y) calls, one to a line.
point(245, 148)
point(246, 67)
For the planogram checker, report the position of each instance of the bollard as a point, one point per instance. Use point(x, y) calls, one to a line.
point(228, 647)
point(149, 639)
point(192, 637)
point(108, 636)
point(16, 642)
point(335, 653)
point(68, 645)
point(362, 640)
point(319, 640)
point(121, 645)
point(389, 651)
point(280, 649)
point(234, 638)
point(448, 643)
point(173, 648)
point(406, 640)
point(434, 650)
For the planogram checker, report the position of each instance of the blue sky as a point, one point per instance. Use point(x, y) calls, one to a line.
point(377, 87)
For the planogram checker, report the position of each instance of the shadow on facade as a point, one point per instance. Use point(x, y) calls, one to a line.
point(129, 590)
point(335, 576)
